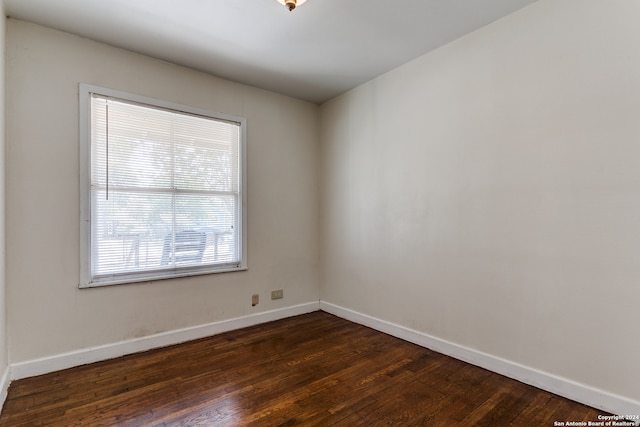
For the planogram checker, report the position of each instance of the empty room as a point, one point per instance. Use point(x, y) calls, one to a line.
point(319, 212)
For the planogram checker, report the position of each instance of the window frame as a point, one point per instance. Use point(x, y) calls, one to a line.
point(86, 275)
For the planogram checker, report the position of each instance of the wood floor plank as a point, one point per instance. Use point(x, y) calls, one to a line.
point(315, 370)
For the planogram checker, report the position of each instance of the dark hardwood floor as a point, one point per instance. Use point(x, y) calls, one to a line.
point(314, 369)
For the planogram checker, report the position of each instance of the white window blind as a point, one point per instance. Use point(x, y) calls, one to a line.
point(165, 191)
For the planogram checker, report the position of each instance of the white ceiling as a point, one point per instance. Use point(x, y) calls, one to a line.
point(316, 52)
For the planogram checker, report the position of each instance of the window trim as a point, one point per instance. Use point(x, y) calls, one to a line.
point(86, 279)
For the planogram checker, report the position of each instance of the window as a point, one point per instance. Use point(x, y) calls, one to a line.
point(162, 189)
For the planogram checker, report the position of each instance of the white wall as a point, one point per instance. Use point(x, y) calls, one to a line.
point(3, 305)
point(47, 313)
point(488, 193)
point(485, 194)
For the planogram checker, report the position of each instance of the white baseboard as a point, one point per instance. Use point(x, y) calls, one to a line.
point(582, 393)
point(58, 362)
point(5, 380)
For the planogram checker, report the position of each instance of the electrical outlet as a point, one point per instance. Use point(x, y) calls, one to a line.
point(255, 299)
point(277, 294)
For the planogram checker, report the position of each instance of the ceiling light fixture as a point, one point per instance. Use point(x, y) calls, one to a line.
point(291, 4)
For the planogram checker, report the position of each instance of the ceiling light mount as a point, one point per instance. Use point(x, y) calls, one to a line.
point(291, 4)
